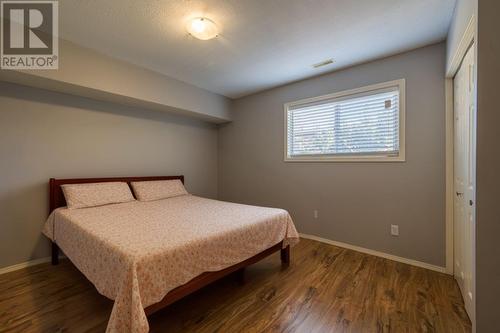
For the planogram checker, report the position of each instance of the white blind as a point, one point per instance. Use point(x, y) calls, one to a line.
point(360, 124)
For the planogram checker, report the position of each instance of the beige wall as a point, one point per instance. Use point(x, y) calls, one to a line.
point(488, 168)
point(46, 134)
point(357, 202)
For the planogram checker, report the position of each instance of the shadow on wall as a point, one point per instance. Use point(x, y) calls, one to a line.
point(12, 90)
point(47, 134)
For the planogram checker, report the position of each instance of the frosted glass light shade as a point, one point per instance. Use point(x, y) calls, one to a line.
point(202, 28)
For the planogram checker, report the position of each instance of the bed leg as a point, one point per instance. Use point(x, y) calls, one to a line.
point(240, 276)
point(55, 254)
point(285, 256)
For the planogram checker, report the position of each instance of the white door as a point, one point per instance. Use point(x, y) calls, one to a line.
point(464, 182)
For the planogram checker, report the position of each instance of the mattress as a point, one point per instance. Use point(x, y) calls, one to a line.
point(136, 252)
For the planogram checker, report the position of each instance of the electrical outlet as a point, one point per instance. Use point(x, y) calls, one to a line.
point(394, 229)
point(315, 213)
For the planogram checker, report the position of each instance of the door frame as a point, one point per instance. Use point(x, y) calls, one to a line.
point(466, 41)
point(468, 38)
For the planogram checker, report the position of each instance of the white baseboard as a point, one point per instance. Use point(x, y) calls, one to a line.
point(27, 264)
point(376, 253)
point(24, 265)
point(316, 238)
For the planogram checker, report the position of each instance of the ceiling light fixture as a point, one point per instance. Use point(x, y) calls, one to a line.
point(202, 28)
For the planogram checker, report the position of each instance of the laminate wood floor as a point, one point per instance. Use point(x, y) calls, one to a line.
point(326, 289)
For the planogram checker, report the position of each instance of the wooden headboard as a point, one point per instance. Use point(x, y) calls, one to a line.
point(56, 196)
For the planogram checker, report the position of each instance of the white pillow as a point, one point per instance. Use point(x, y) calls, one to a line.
point(158, 189)
point(96, 194)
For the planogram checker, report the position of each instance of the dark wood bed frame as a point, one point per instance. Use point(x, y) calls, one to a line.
point(56, 200)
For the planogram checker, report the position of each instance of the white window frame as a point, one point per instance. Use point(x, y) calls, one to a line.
point(401, 157)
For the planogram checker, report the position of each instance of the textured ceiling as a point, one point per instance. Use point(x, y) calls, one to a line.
point(262, 44)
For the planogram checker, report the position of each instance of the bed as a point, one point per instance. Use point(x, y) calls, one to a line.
point(147, 255)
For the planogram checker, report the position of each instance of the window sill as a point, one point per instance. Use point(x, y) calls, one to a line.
point(347, 159)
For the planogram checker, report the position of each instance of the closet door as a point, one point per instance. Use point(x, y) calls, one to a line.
point(464, 182)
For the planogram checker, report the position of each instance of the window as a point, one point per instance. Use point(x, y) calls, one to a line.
point(365, 124)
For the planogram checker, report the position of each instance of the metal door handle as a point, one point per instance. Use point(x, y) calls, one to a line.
point(459, 194)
